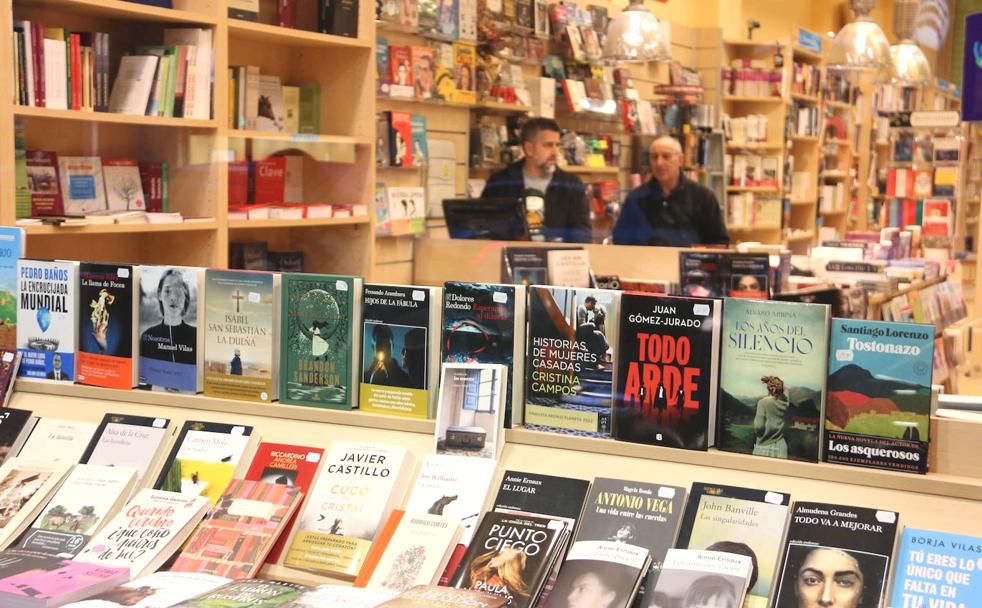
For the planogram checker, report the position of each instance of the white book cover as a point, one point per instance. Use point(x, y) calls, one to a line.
point(124, 190)
point(358, 486)
point(455, 486)
point(270, 115)
point(89, 496)
point(407, 203)
point(158, 590)
point(166, 518)
point(204, 462)
point(200, 70)
point(82, 186)
point(46, 319)
point(58, 440)
point(685, 572)
point(470, 419)
point(568, 267)
point(417, 553)
point(171, 355)
point(55, 75)
point(128, 441)
point(133, 84)
point(342, 596)
point(25, 485)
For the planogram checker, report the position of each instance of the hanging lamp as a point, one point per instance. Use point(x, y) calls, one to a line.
point(909, 64)
point(861, 44)
point(636, 35)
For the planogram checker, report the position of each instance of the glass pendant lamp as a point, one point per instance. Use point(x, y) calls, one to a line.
point(635, 35)
point(910, 66)
point(861, 44)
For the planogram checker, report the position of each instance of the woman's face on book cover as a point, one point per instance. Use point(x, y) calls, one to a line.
point(829, 578)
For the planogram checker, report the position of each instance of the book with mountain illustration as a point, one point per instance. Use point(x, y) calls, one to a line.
point(879, 404)
point(772, 378)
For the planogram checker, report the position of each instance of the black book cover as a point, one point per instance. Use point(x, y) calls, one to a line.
point(12, 422)
point(738, 520)
point(543, 495)
point(123, 419)
point(342, 17)
point(666, 380)
point(747, 275)
point(701, 274)
point(524, 265)
point(836, 553)
point(511, 556)
point(479, 327)
point(105, 322)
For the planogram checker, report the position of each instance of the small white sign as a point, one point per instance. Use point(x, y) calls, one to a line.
point(936, 118)
point(499, 297)
point(702, 310)
point(664, 492)
point(237, 430)
point(419, 295)
point(123, 273)
point(159, 423)
point(313, 457)
point(255, 297)
point(843, 354)
point(340, 285)
point(775, 498)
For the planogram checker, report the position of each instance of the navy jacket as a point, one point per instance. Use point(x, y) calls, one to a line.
point(567, 211)
point(689, 215)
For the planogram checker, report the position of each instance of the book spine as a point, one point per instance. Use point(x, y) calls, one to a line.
point(189, 80)
point(37, 48)
point(287, 13)
point(165, 187)
point(76, 72)
point(21, 69)
point(180, 80)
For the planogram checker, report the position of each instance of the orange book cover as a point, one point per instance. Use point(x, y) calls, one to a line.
point(378, 548)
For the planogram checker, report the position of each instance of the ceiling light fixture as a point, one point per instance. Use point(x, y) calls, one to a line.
point(910, 66)
point(861, 44)
point(636, 35)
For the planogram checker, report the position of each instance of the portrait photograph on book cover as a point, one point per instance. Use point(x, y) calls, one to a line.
point(168, 327)
point(16, 489)
point(394, 355)
point(587, 583)
point(695, 589)
point(816, 576)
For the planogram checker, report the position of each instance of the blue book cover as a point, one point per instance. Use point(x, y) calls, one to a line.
point(879, 403)
point(170, 351)
point(11, 249)
point(937, 569)
point(46, 319)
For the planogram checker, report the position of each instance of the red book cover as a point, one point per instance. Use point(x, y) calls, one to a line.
point(238, 183)
point(284, 464)
point(42, 179)
point(105, 325)
point(37, 41)
point(235, 537)
point(151, 178)
point(286, 13)
point(401, 137)
point(400, 66)
point(75, 48)
point(909, 212)
point(270, 179)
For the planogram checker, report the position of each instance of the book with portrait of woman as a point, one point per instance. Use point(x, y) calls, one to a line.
point(772, 378)
point(107, 339)
point(171, 347)
point(700, 579)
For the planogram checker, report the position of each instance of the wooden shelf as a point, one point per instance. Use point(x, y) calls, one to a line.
point(833, 212)
point(755, 227)
point(802, 53)
point(803, 201)
point(272, 34)
point(756, 189)
point(754, 146)
point(806, 236)
point(425, 102)
point(400, 168)
point(110, 118)
point(770, 99)
point(128, 11)
point(301, 137)
point(302, 223)
point(805, 98)
point(585, 169)
point(838, 105)
point(833, 175)
point(119, 228)
point(498, 107)
point(804, 139)
point(750, 43)
point(838, 142)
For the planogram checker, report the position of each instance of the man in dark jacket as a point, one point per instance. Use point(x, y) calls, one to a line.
point(566, 210)
point(670, 210)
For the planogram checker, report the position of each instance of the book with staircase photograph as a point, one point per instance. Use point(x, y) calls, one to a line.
point(485, 323)
point(569, 366)
point(773, 365)
point(666, 371)
point(847, 548)
point(879, 404)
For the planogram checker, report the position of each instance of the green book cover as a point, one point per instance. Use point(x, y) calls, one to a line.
point(250, 593)
point(22, 195)
point(772, 378)
point(167, 90)
point(317, 347)
point(310, 107)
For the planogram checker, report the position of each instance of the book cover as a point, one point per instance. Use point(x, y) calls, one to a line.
point(744, 521)
point(485, 323)
point(420, 147)
point(606, 572)
point(401, 138)
point(12, 245)
point(568, 267)
point(319, 346)
point(204, 458)
point(879, 403)
point(456, 486)
point(396, 350)
point(252, 593)
point(241, 335)
point(25, 485)
point(522, 493)
point(666, 379)
point(128, 440)
point(124, 189)
point(415, 554)
point(465, 64)
point(235, 537)
point(423, 62)
point(430, 596)
point(407, 210)
point(14, 426)
point(58, 440)
point(341, 596)
point(701, 274)
point(570, 361)
point(47, 319)
point(703, 578)
point(45, 580)
point(358, 486)
point(772, 378)
point(270, 115)
point(524, 266)
point(936, 569)
point(470, 416)
point(510, 556)
point(44, 183)
point(105, 325)
point(88, 497)
point(836, 552)
point(165, 519)
point(747, 275)
point(82, 185)
point(158, 590)
point(171, 353)
point(288, 465)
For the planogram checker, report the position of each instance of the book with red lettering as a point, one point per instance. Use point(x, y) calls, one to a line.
point(31, 578)
point(666, 382)
point(106, 314)
point(43, 182)
point(238, 533)
point(269, 180)
point(288, 465)
point(146, 532)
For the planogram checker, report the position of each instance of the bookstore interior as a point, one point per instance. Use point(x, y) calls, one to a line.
point(484, 303)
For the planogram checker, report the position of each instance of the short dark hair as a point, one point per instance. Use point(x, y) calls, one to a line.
point(532, 127)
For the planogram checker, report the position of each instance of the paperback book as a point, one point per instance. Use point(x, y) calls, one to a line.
point(171, 347)
point(570, 361)
point(850, 546)
point(399, 355)
point(241, 337)
point(15, 427)
point(412, 549)
point(25, 486)
point(157, 590)
point(58, 440)
point(879, 403)
point(772, 378)
point(485, 323)
point(666, 371)
point(611, 569)
point(703, 578)
point(319, 346)
point(47, 319)
point(252, 593)
point(128, 440)
point(30, 579)
point(470, 416)
point(936, 569)
point(204, 458)
point(358, 486)
point(430, 596)
point(738, 520)
point(106, 311)
point(342, 596)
